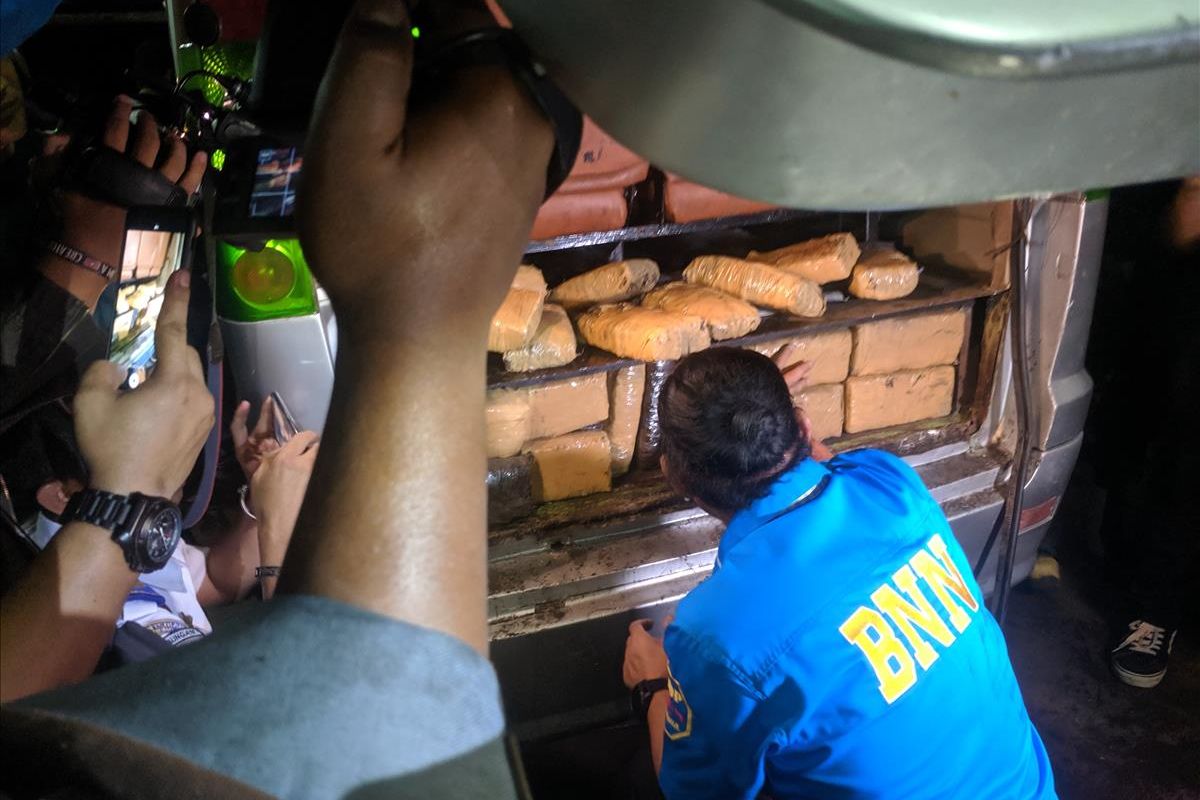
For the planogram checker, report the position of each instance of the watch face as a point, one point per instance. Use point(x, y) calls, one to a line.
point(159, 534)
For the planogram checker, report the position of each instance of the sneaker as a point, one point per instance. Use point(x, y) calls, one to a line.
point(1141, 658)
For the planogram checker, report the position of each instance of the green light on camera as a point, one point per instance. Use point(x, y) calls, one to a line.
point(416, 32)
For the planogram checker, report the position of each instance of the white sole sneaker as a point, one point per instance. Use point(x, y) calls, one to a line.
point(1135, 679)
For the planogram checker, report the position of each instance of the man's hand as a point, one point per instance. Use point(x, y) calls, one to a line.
point(645, 658)
point(795, 375)
point(147, 440)
point(250, 446)
point(278, 485)
point(425, 209)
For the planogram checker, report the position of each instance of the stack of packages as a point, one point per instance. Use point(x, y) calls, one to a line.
point(570, 438)
point(878, 374)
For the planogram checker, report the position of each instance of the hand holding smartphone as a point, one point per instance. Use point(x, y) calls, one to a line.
point(157, 243)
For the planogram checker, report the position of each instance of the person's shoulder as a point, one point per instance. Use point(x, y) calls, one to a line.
point(880, 465)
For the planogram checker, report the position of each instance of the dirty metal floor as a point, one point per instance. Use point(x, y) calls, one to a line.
point(1106, 741)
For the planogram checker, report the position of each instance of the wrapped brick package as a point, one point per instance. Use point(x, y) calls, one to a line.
point(610, 283)
point(828, 352)
point(649, 432)
point(877, 401)
point(625, 389)
point(760, 284)
point(516, 321)
point(823, 405)
point(573, 465)
point(646, 334)
point(552, 346)
point(507, 417)
point(510, 488)
point(823, 260)
point(891, 345)
point(726, 316)
point(567, 405)
point(884, 275)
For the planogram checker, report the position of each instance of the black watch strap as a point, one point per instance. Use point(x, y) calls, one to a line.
point(102, 509)
point(643, 693)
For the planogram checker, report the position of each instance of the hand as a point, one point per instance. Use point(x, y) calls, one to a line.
point(416, 220)
point(278, 485)
point(97, 228)
point(147, 440)
point(249, 447)
point(645, 658)
point(795, 373)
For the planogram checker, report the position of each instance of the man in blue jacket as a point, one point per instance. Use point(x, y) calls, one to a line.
point(841, 647)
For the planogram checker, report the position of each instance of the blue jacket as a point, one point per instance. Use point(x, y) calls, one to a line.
point(841, 649)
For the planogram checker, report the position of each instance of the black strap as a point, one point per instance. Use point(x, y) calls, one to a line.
point(105, 174)
point(809, 496)
point(503, 46)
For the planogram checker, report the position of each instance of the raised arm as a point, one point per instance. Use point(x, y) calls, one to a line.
point(414, 222)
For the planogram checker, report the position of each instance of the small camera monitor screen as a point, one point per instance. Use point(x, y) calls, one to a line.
point(274, 192)
point(149, 260)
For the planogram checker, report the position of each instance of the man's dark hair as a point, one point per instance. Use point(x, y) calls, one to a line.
point(728, 425)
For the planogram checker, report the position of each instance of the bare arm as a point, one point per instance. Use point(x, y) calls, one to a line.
point(415, 226)
point(56, 620)
point(230, 565)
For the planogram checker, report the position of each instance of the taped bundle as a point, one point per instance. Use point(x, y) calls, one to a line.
point(626, 387)
point(884, 275)
point(516, 321)
point(646, 334)
point(572, 465)
point(553, 345)
point(726, 316)
point(650, 432)
point(760, 284)
point(510, 488)
point(610, 283)
point(822, 260)
point(507, 419)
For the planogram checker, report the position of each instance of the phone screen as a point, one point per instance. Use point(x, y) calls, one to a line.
point(274, 192)
point(149, 259)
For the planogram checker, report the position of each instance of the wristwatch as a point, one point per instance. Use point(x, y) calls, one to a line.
point(145, 528)
point(641, 695)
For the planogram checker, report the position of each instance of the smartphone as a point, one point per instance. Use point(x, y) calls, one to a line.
point(158, 241)
point(285, 423)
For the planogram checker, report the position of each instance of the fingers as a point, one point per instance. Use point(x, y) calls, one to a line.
point(173, 165)
point(361, 103)
point(237, 426)
point(190, 180)
point(102, 376)
point(641, 626)
point(796, 377)
point(787, 355)
point(145, 140)
point(175, 357)
point(299, 443)
point(266, 416)
point(116, 127)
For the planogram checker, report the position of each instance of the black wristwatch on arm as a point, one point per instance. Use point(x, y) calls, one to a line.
point(145, 528)
point(641, 695)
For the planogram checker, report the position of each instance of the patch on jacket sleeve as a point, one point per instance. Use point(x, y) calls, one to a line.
point(679, 714)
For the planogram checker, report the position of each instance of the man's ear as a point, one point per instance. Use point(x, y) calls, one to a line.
point(818, 449)
point(805, 426)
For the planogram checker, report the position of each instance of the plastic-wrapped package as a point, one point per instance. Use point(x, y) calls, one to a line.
point(824, 259)
point(649, 432)
point(726, 316)
point(924, 340)
point(516, 321)
point(884, 275)
point(625, 389)
point(567, 405)
point(824, 407)
point(760, 284)
point(877, 401)
point(610, 283)
point(510, 488)
point(507, 417)
point(646, 334)
point(552, 346)
point(828, 352)
point(573, 465)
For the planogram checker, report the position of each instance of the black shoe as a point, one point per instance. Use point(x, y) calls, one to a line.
point(1141, 658)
